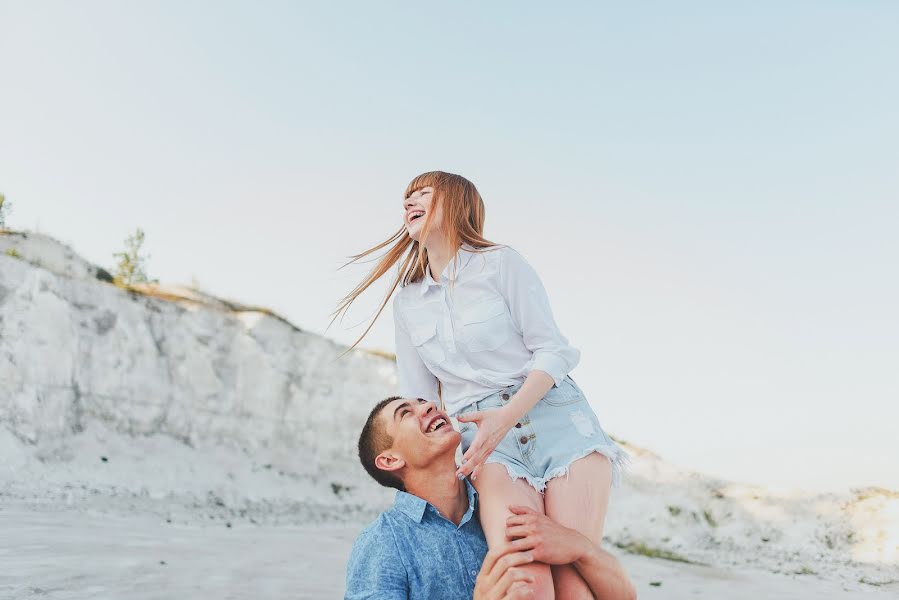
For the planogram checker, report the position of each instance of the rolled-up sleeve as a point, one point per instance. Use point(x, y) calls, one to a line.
point(530, 310)
point(374, 570)
point(415, 379)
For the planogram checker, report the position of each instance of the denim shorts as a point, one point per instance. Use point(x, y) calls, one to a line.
point(560, 429)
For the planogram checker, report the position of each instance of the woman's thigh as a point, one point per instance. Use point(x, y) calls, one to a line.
point(579, 501)
point(496, 492)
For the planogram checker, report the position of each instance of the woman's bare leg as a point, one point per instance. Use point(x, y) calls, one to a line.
point(496, 492)
point(579, 501)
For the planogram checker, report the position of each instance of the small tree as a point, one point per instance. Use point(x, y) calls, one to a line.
point(131, 266)
point(5, 207)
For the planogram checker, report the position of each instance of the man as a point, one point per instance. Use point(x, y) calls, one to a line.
point(430, 545)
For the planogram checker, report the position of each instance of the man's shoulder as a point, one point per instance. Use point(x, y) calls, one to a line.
point(376, 530)
point(375, 566)
point(375, 551)
point(382, 532)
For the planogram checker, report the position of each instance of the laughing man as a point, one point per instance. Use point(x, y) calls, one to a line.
point(429, 544)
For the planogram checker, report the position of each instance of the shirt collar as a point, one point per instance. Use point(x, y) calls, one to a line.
point(414, 507)
point(463, 254)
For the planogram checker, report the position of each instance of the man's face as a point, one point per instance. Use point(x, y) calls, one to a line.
point(420, 433)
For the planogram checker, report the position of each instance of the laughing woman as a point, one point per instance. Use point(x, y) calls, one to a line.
point(474, 328)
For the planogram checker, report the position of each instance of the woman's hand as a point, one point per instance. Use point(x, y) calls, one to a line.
point(492, 426)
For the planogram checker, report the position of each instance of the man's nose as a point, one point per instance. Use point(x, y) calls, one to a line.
point(428, 407)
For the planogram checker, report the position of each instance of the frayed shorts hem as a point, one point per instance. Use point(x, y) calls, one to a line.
point(617, 456)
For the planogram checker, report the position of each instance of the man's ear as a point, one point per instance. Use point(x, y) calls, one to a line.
point(388, 461)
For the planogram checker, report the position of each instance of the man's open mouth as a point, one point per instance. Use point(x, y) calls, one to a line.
point(438, 423)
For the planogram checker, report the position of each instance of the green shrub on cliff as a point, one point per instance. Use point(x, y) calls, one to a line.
point(132, 263)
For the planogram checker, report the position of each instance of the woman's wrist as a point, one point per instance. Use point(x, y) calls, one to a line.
point(512, 413)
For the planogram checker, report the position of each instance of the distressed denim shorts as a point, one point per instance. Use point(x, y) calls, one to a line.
point(560, 429)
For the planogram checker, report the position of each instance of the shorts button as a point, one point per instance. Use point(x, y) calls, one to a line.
point(505, 396)
point(523, 439)
point(518, 425)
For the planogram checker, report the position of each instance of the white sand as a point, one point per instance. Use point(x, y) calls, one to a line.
point(61, 554)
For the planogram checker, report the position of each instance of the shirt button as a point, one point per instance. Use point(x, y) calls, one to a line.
point(523, 439)
point(474, 573)
point(505, 396)
point(517, 425)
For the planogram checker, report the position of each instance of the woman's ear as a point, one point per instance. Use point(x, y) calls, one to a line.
point(387, 461)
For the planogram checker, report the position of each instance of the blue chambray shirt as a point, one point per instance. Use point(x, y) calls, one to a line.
point(412, 551)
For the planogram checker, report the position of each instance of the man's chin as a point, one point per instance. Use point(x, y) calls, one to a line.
point(450, 441)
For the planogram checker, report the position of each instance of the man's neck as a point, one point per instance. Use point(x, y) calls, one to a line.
point(439, 486)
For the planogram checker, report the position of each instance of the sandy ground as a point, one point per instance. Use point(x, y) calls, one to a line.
point(62, 554)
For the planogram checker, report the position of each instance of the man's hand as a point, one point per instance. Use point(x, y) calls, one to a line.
point(501, 578)
point(553, 544)
point(545, 539)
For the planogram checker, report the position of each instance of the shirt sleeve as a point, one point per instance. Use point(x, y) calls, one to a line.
point(374, 570)
point(531, 313)
point(415, 379)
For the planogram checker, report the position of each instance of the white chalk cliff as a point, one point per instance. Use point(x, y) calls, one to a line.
point(170, 401)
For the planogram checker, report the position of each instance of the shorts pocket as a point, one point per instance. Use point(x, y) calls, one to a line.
point(485, 325)
point(563, 395)
point(424, 338)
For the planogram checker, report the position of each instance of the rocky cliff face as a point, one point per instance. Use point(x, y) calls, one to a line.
point(76, 351)
point(172, 402)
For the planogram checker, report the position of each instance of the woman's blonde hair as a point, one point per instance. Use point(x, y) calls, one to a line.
point(463, 221)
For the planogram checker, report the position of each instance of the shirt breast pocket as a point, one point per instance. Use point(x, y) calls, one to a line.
point(424, 337)
point(485, 325)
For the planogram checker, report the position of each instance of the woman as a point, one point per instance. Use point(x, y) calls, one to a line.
point(474, 328)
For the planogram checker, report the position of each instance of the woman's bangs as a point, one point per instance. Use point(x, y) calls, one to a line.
point(428, 179)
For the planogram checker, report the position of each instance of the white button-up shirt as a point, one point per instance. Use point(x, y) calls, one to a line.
point(481, 328)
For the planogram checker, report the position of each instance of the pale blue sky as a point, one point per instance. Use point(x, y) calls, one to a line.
point(710, 192)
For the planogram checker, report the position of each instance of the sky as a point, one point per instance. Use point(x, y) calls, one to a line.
point(709, 192)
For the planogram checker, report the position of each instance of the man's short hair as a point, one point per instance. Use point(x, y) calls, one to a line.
point(372, 441)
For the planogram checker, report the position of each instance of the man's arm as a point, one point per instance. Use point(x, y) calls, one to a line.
point(604, 575)
point(553, 544)
point(375, 570)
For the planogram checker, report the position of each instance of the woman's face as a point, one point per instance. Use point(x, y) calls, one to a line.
point(416, 207)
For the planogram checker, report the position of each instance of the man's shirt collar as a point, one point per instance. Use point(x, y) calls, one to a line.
point(415, 507)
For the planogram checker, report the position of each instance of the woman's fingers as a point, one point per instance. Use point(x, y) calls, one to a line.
point(473, 457)
point(473, 463)
point(470, 417)
point(476, 444)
